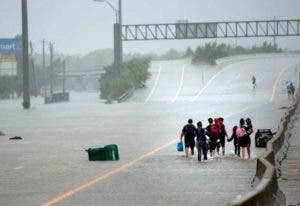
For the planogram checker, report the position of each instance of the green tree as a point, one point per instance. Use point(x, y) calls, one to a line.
point(188, 52)
point(134, 73)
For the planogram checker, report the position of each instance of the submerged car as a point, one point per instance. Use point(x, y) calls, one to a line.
point(262, 136)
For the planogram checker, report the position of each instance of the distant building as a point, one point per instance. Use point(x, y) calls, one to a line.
point(8, 65)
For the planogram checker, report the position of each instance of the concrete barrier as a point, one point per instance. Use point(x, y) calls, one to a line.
point(57, 97)
point(266, 191)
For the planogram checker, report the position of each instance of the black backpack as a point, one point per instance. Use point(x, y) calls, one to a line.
point(190, 131)
point(201, 134)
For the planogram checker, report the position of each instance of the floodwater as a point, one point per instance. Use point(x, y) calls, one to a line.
point(50, 160)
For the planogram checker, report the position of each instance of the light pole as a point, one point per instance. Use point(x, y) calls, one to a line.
point(117, 36)
point(111, 6)
point(26, 87)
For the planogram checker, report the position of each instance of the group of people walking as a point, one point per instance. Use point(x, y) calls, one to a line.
point(212, 137)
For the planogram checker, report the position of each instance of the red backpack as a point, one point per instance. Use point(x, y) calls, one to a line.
point(214, 131)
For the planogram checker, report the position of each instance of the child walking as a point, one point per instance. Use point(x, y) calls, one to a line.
point(235, 141)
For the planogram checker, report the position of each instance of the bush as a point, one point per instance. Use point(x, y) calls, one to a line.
point(10, 86)
point(133, 74)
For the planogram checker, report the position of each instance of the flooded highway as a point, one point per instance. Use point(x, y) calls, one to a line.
point(50, 165)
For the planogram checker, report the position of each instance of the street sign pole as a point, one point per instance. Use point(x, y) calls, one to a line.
point(26, 86)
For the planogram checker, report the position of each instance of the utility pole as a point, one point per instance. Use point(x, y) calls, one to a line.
point(26, 86)
point(64, 76)
point(44, 64)
point(51, 68)
point(34, 88)
point(30, 46)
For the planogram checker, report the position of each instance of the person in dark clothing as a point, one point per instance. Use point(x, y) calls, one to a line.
point(189, 134)
point(290, 90)
point(249, 131)
point(223, 134)
point(201, 141)
point(253, 82)
point(235, 141)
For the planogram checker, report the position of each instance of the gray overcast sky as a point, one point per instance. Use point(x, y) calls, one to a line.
point(80, 26)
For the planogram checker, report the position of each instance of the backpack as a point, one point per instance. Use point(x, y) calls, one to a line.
point(214, 131)
point(240, 132)
point(189, 131)
point(201, 135)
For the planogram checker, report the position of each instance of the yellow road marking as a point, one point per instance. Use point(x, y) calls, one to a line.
point(104, 176)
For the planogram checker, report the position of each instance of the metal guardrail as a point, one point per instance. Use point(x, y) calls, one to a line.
point(126, 95)
point(267, 191)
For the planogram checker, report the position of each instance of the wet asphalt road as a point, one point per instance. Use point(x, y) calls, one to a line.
point(51, 160)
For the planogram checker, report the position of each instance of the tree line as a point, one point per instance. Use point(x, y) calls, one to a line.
point(212, 51)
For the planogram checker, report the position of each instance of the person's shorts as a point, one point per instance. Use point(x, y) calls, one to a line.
point(222, 142)
point(242, 141)
point(212, 145)
point(189, 144)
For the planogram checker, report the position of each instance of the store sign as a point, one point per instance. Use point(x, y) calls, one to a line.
point(10, 46)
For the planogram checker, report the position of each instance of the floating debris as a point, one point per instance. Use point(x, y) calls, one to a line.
point(16, 138)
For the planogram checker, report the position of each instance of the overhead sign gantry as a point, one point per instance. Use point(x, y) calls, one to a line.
point(230, 29)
